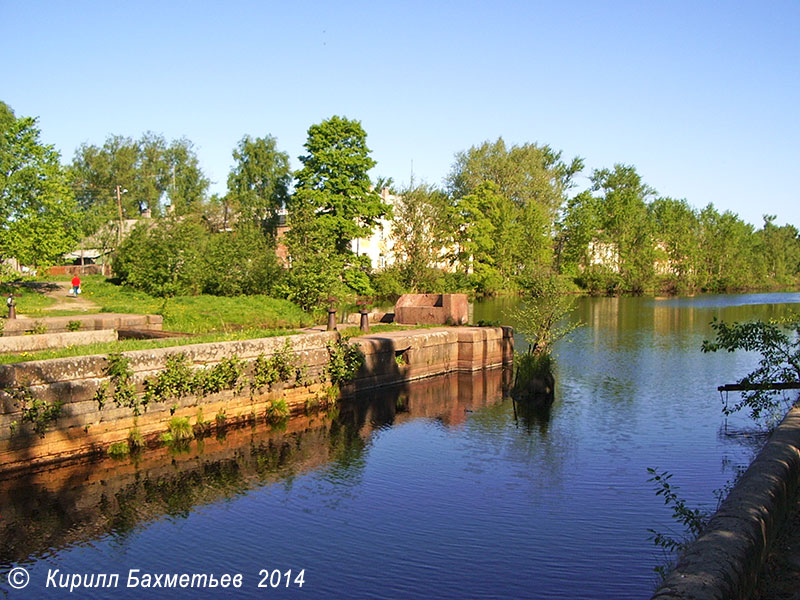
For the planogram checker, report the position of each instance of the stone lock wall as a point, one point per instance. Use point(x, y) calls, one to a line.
point(83, 428)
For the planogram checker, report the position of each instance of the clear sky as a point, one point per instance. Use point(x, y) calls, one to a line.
point(702, 97)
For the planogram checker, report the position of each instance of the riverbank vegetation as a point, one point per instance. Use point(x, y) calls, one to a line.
point(504, 216)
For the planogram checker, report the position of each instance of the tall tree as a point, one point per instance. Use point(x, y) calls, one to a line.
point(527, 174)
point(150, 169)
point(334, 181)
point(37, 209)
point(333, 204)
point(258, 184)
point(422, 229)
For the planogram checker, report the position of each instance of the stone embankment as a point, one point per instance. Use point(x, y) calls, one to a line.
point(724, 562)
point(83, 427)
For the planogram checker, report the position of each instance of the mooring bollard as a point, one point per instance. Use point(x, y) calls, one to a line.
point(331, 319)
point(364, 321)
point(12, 307)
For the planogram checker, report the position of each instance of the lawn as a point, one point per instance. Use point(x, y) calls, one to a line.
point(197, 314)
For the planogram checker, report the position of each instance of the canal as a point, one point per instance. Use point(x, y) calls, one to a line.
point(438, 489)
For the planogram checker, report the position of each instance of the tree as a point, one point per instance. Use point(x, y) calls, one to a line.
point(527, 174)
point(37, 208)
point(333, 187)
point(258, 184)
point(333, 204)
point(779, 249)
point(727, 253)
point(151, 170)
point(779, 345)
point(422, 219)
point(677, 229)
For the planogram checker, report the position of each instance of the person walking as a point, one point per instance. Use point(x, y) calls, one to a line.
point(76, 286)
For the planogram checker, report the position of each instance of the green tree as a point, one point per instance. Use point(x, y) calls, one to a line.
point(728, 249)
point(258, 184)
point(334, 182)
point(37, 208)
point(523, 174)
point(165, 257)
point(150, 169)
point(333, 204)
point(677, 229)
point(779, 249)
point(422, 228)
point(778, 342)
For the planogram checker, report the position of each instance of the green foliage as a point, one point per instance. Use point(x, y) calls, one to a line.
point(119, 450)
point(778, 342)
point(240, 262)
point(542, 317)
point(135, 440)
point(344, 361)
point(165, 258)
point(176, 380)
point(74, 325)
point(120, 385)
point(422, 231)
point(38, 328)
point(39, 413)
point(278, 367)
point(333, 204)
point(277, 411)
point(225, 375)
point(38, 213)
point(692, 520)
point(334, 181)
point(179, 432)
point(258, 184)
point(149, 168)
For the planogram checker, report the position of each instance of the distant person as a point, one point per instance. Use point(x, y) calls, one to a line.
point(76, 285)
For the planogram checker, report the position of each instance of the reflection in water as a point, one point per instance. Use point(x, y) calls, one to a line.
point(47, 509)
point(438, 489)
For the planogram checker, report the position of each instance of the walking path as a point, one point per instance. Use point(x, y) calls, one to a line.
point(66, 301)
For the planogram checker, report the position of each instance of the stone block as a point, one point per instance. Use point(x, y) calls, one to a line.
point(432, 309)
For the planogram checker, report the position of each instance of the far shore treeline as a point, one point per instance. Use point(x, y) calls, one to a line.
point(504, 217)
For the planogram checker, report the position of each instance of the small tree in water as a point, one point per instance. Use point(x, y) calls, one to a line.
point(542, 320)
point(778, 341)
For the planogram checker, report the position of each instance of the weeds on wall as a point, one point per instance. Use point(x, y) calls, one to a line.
point(39, 413)
point(281, 366)
point(74, 326)
point(120, 386)
point(344, 361)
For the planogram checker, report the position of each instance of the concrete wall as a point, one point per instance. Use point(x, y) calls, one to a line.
point(45, 341)
point(84, 429)
point(88, 322)
point(723, 563)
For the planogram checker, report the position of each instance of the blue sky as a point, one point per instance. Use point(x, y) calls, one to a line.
point(702, 97)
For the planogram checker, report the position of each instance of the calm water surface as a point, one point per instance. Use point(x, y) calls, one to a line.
point(439, 489)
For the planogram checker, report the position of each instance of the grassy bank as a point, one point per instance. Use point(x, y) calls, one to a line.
point(195, 314)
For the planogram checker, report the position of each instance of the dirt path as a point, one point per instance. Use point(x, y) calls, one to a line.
point(66, 301)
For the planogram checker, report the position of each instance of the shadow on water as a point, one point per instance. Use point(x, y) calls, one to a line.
point(51, 508)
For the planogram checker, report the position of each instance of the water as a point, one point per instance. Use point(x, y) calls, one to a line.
point(437, 489)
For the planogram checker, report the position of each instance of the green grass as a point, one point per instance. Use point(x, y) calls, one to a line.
point(198, 314)
point(28, 299)
point(125, 345)
point(187, 314)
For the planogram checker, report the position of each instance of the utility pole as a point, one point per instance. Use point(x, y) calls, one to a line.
point(120, 191)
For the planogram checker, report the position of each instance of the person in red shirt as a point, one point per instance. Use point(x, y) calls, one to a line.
point(76, 285)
